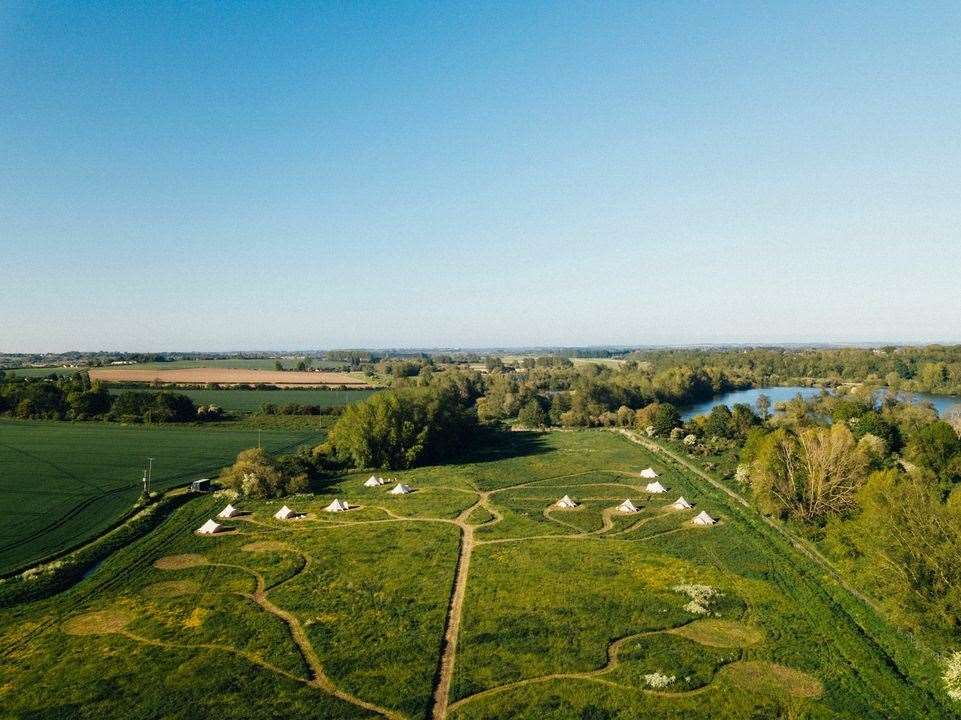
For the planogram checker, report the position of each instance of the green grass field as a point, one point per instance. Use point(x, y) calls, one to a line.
point(62, 483)
point(246, 401)
point(472, 598)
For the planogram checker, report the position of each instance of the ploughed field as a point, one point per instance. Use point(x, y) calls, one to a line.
point(64, 483)
point(473, 597)
point(225, 376)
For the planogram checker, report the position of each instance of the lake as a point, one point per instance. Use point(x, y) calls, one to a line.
point(781, 394)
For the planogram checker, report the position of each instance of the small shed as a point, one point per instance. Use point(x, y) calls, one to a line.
point(202, 485)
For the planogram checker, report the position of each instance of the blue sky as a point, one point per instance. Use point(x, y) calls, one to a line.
point(282, 175)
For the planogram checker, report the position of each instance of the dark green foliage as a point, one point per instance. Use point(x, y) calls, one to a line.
point(400, 428)
point(73, 397)
point(665, 419)
point(719, 422)
point(532, 415)
point(934, 446)
point(871, 422)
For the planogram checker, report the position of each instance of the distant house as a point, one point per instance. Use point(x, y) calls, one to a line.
point(202, 485)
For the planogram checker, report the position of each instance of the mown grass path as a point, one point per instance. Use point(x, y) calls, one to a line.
point(804, 548)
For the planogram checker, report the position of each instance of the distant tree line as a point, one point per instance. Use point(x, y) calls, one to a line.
point(74, 397)
point(933, 368)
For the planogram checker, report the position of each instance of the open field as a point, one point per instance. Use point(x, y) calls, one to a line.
point(62, 483)
point(252, 400)
point(474, 598)
point(225, 376)
point(234, 363)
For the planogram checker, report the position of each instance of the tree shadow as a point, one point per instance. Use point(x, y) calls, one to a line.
point(492, 444)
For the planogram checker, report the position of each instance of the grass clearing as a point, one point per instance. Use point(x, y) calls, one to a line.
point(344, 615)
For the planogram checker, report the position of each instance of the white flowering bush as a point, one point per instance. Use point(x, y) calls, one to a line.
point(952, 676)
point(659, 680)
point(690, 440)
point(702, 597)
point(743, 474)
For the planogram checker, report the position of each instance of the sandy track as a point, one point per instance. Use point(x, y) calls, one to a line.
point(225, 376)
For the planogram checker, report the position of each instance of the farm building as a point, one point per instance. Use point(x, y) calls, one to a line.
point(628, 507)
point(566, 502)
point(202, 485)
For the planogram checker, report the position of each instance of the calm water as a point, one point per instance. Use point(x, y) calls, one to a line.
point(781, 394)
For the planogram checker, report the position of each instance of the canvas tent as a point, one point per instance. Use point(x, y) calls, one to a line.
point(628, 507)
point(337, 506)
point(373, 481)
point(703, 519)
point(681, 504)
point(655, 487)
point(210, 527)
point(401, 489)
point(285, 513)
point(648, 473)
point(566, 502)
point(228, 512)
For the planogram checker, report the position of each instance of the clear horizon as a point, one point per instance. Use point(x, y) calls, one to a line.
point(420, 176)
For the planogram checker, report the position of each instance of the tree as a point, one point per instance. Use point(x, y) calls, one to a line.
point(742, 420)
point(933, 446)
point(809, 474)
point(952, 417)
point(532, 415)
point(399, 428)
point(278, 365)
point(763, 405)
point(255, 473)
point(44, 400)
point(665, 419)
point(493, 363)
point(718, 422)
point(560, 404)
point(89, 403)
point(872, 423)
point(903, 548)
point(171, 407)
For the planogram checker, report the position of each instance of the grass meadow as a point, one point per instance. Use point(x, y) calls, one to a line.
point(63, 483)
point(248, 401)
point(583, 614)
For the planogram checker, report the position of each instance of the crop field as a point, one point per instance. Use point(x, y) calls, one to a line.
point(225, 376)
point(474, 597)
point(231, 363)
point(62, 483)
point(245, 401)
